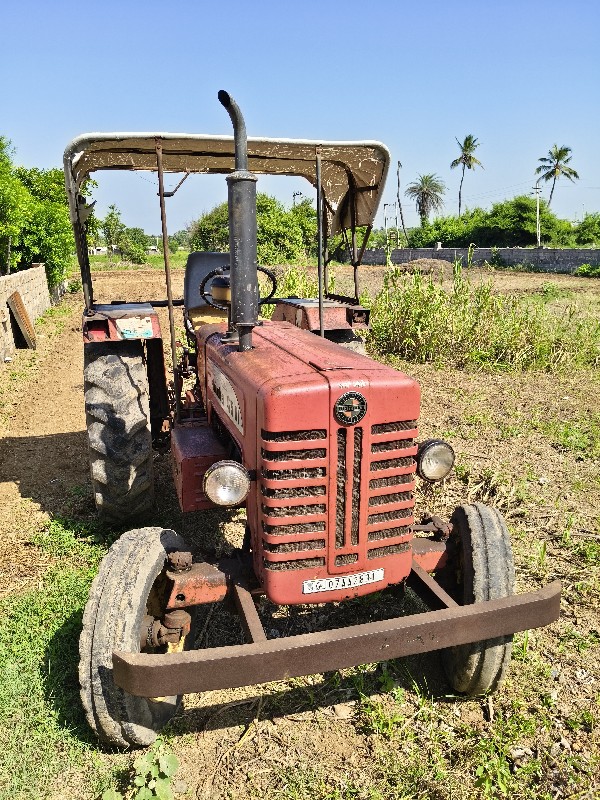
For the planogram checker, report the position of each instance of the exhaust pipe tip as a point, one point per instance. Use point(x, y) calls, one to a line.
point(224, 98)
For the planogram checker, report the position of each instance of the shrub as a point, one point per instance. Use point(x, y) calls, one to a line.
point(588, 230)
point(472, 327)
point(588, 271)
point(511, 223)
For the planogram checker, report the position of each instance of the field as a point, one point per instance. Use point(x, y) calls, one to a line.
point(527, 442)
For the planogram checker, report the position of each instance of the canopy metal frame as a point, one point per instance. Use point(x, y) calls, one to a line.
point(349, 178)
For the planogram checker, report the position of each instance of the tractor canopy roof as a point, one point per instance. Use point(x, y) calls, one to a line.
point(352, 173)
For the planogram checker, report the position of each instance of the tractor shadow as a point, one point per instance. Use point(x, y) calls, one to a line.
point(51, 470)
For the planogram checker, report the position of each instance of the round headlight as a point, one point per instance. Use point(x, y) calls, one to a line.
point(226, 483)
point(435, 459)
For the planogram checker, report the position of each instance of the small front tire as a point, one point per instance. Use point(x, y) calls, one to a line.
point(480, 567)
point(113, 618)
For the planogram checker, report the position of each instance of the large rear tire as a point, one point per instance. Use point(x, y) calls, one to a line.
point(117, 418)
point(480, 567)
point(127, 588)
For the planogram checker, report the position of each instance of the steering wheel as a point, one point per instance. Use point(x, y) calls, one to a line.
point(206, 295)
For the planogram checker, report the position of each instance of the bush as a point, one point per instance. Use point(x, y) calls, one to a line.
point(471, 327)
point(588, 230)
point(511, 223)
point(588, 271)
point(294, 281)
point(34, 215)
point(47, 237)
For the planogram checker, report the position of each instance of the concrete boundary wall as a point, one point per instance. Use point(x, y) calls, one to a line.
point(544, 259)
point(33, 288)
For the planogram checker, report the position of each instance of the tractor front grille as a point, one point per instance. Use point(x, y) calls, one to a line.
point(345, 508)
point(294, 499)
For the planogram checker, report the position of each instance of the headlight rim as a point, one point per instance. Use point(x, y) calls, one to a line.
point(422, 451)
point(219, 465)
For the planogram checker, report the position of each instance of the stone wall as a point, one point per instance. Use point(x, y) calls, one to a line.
point(33, 288)
point(544, 259)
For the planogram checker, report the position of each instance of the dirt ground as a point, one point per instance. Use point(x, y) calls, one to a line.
point(265, 741)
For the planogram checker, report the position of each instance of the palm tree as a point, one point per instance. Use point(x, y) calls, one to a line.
point(554, 165)
point(467, 159)
point(427, 191)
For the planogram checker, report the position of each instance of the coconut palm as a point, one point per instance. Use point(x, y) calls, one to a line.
point(554, 166)
point(468, 161)
point(427, 192)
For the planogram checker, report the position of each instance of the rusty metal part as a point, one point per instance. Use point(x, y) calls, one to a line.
point(178, 620)
point(429, 554)
point(146, 632)
point(201, 583)
point(174, 627)
point(179, 561)
point(244, 603)
point(436, 525)
point(429, 590)
point(259, 662)
point(208, 583)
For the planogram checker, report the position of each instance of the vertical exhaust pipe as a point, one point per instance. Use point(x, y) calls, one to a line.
point(241, 200)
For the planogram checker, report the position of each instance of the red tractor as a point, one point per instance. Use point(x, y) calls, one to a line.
point(318, 442)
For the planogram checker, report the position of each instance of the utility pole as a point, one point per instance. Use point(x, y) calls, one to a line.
point(294, 196)
point(538, 231)
point(399, 203)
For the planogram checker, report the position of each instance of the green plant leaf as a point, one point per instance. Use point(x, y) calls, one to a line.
point(143, 765)
point(163, 789)
point(112, 794)
point(168, 764)
point(144, 794)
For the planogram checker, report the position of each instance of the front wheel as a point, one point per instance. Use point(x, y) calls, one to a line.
point(480, 567)
point(128, 590)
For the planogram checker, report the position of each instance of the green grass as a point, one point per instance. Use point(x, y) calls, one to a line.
point(580, 435)
point(472, 327)
point(43, 734)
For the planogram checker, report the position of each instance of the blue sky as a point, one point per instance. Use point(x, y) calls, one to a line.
point(518, 75)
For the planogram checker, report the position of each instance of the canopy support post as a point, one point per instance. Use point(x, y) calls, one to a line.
point(320, 240)
point(166, 255)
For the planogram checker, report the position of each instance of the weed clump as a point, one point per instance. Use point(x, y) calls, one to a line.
point(471, 327)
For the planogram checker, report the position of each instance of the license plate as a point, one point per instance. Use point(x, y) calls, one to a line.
point(338, 582)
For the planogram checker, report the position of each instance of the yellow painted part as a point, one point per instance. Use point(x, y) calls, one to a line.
point(204, 315)
point(172, 647)
point(222, 294)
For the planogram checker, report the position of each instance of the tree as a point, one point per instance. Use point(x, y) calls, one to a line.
point(15, 202)
point(555, 165)
point(588, 230)
point(306, 216)
point(280, 235)
point(467, 160)
point(510, 223)
point(112, 228)
point(34, 217)
point(133, 244)
point(427, 192)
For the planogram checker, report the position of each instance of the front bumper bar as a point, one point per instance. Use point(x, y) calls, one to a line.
point(265, 660)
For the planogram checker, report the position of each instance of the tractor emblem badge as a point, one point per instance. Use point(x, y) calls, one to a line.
point(350, 408)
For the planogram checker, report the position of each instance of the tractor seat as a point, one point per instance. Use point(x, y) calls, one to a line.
point(197, 310)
